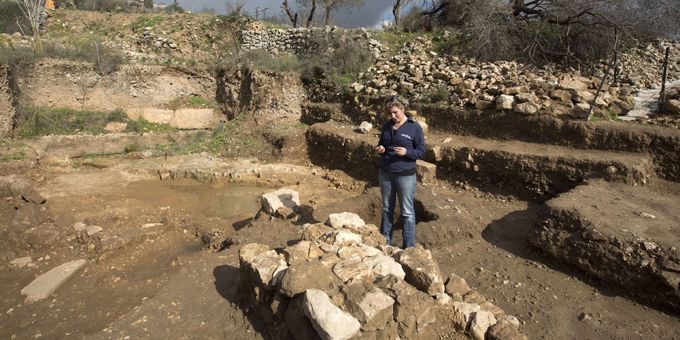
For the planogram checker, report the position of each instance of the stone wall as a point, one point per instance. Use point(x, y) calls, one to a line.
point(303, 41)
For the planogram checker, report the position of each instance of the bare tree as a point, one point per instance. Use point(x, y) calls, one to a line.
point(397, 8)
point(234, 7)
point(331, 5)
point(294, 16)
point(33, 12)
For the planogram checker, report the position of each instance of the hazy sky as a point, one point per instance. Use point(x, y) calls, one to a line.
point(371, 14)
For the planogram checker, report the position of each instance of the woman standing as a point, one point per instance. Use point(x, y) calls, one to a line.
point(401, 144)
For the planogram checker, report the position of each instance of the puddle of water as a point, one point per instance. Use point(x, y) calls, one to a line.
point(208, 200)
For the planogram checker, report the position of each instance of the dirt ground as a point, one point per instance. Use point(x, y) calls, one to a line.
point(169, 280)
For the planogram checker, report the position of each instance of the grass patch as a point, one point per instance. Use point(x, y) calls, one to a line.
point(104, 58)
point(18, 56)
point(12, 157)
point(193, 102)
point(231, 133)
point(143, 126)
point(145, 21)
point(437, 94)
point(48, 121)
point(605, 115)
point(395, 39)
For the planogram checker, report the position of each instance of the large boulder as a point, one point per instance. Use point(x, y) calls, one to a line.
point(463, 313)
point(272, 201)
point(413, 310)
point(260, 267)
point(329, 321)
point(339, 220)
point(480, 323)
point(505, 102)
point(421, 270)
point(300, 277)
point(383, 265)
point(456, 284)
point(353, 268)
point(671, 102)
point(527, 108)
point(369, 304)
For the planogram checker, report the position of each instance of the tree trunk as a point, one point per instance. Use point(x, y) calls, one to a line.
point(396, 11)
point(327, 16)
point(291, 16)
point(311, 14)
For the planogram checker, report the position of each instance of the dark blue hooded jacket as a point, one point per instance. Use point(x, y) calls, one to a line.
point(410, 136)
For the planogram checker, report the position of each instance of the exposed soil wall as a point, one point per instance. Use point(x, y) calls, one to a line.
point(661, 143)
point(611, 243)
point(75, 85)
point(527, 170)
point(7, 103)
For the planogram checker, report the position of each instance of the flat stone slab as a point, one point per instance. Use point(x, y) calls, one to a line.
point(625, 235)
point(47, 283)
point(181, 118)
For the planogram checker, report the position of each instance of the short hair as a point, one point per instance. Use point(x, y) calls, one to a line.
point(397, 101)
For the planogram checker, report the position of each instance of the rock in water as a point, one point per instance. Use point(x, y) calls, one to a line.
point(47, 283)
point(329, 321)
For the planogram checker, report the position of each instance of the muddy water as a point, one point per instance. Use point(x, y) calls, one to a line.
point(206, 200)
point(114, 283)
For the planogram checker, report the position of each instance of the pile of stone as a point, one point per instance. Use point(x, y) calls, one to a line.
point(30, 226)
point(423, 74)
point(671, 100)
point(148, 39)
point(304, 41)
point(341, 281)
point(642, 66)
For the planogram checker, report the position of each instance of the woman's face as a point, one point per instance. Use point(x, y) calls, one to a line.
point(397, 114)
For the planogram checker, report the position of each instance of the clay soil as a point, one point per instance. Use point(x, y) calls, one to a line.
point(179, 279)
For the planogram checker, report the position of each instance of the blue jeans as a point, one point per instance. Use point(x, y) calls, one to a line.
point(404, 188)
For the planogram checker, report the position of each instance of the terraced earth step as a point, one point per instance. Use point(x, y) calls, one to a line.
point(535, 171)
point(662, 143)
point(627, 236)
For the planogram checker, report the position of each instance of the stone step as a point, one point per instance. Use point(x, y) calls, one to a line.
point(620, 234)
point(536, 171)
point(47, 283)
point(662, 143)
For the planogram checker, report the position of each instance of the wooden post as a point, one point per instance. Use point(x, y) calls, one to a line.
point(616, 55)
point(662, 94)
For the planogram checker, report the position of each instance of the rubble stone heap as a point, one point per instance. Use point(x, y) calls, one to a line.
point(340, 281)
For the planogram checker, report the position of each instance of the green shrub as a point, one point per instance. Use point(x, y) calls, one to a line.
point(143, 126)
point(196, 102)
point(47, 121)
point(18, 56)
point(337, 64)
point(105, 59)
point(263, 60)
point(437, 94)
point(11, 19)
point(102, 5)
point(145, 21)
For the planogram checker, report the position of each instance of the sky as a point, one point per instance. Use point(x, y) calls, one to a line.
point(371, 14)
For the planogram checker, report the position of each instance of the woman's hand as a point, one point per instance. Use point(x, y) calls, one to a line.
point(401, 151)
point(380, 149)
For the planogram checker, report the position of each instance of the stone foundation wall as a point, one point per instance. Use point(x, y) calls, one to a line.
point(303, 41)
